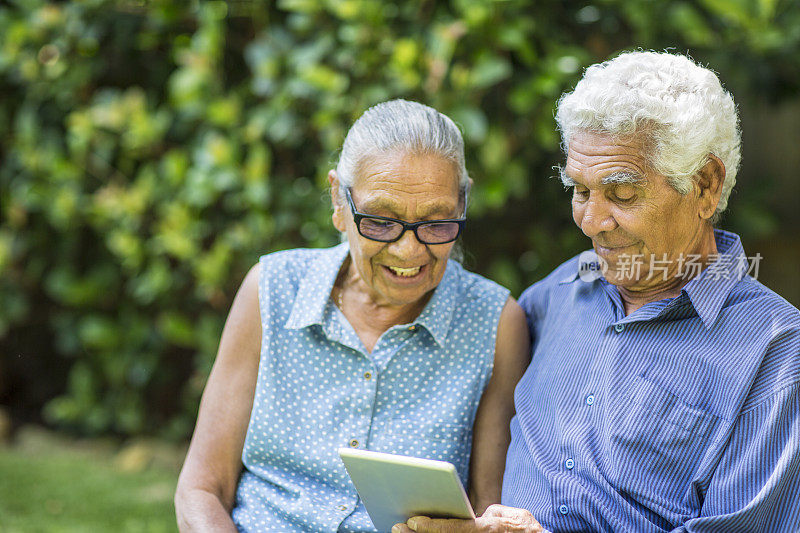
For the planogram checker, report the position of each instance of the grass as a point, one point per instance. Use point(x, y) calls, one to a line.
point(54, 484)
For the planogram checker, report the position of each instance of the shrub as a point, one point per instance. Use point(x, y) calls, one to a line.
point(153, 150)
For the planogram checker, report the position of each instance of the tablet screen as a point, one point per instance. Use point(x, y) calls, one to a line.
point(395, 487)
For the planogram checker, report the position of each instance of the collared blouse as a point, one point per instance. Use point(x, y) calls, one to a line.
point(319, 389)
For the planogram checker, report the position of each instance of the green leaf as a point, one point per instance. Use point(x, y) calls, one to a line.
point(99, 332)
point(489, 70)
point(176, 328)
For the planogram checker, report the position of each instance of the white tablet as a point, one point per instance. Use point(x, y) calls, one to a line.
point(395, 487)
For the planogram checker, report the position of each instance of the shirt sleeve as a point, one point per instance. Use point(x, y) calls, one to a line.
point(527, 302)
point(756, 486)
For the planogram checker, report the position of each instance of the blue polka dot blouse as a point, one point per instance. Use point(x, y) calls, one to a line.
point(319, 389)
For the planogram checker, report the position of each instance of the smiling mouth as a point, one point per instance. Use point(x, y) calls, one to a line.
point(404, 272)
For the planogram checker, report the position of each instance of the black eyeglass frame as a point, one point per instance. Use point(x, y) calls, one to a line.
point(413, 226)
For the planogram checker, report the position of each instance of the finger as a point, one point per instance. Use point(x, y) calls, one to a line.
point(497, 510)
point(401, 528)
point(423, 524)
point(494, 510)
point(420, 524)
point(502, 518)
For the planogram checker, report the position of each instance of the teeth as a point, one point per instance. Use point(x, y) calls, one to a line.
point(405, 272)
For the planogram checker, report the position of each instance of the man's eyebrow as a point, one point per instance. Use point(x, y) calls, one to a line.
point(622, 178)
point(617, 178)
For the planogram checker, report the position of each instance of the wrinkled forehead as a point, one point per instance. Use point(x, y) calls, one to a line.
point(409, 184)
point(602, 154)
point(642, 135)
point(407, 165)
point(409, 172)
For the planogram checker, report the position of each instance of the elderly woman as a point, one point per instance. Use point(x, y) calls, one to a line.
point(380, 343)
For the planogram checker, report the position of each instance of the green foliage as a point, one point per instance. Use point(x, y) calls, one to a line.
point(153, 150)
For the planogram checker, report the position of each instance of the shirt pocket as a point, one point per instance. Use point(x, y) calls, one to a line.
point(656, 443)
point(442, 442)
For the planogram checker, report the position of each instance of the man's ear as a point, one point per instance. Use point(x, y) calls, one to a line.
point(710, 179)
point(337, 201)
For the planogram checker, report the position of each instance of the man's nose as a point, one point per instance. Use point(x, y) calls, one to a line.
point(596, 217)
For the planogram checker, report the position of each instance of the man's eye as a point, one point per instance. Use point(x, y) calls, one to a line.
point(624, 194)
point(580, 193)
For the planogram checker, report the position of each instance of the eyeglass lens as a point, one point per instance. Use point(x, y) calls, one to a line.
point(385, 230)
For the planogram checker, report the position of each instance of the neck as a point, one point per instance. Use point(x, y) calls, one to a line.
point(634, 298)
point(369, 315)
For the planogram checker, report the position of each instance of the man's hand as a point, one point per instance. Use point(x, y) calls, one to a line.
point(496, 519)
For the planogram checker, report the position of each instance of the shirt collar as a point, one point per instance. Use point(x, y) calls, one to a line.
point(438, 313)
point(315, 288)
point(708, 291)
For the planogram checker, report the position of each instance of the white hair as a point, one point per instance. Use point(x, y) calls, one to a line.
point(400, 126)
point(679, 107)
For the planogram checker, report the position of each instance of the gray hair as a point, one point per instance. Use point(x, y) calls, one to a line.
point(679, 107)
point(400, 125)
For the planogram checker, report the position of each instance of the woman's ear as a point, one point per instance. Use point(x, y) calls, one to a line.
point(709, 182)
point(464, 201)
point(336, 201)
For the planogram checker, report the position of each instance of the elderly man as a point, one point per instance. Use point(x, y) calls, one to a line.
point(664, 388)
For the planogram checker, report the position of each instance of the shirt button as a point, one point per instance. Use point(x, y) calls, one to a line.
point(569, 463)
point(367, 375)
point(590, 399)
point(341, 507)
point(619, 328)
point(354, 443)
point(563, 509)
point(412, 328)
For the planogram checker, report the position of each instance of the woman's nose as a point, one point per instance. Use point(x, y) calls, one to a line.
point(407, 245)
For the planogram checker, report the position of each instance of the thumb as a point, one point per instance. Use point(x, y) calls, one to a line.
point(415, 523)
point(496, 510)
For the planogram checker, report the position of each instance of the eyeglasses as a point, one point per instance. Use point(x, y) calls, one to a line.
point(385, 229)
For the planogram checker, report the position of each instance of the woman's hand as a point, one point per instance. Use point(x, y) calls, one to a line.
point(496, 519)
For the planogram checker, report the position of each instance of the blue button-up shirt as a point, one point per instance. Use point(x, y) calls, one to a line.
point(682, 416)
point(318, 389)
